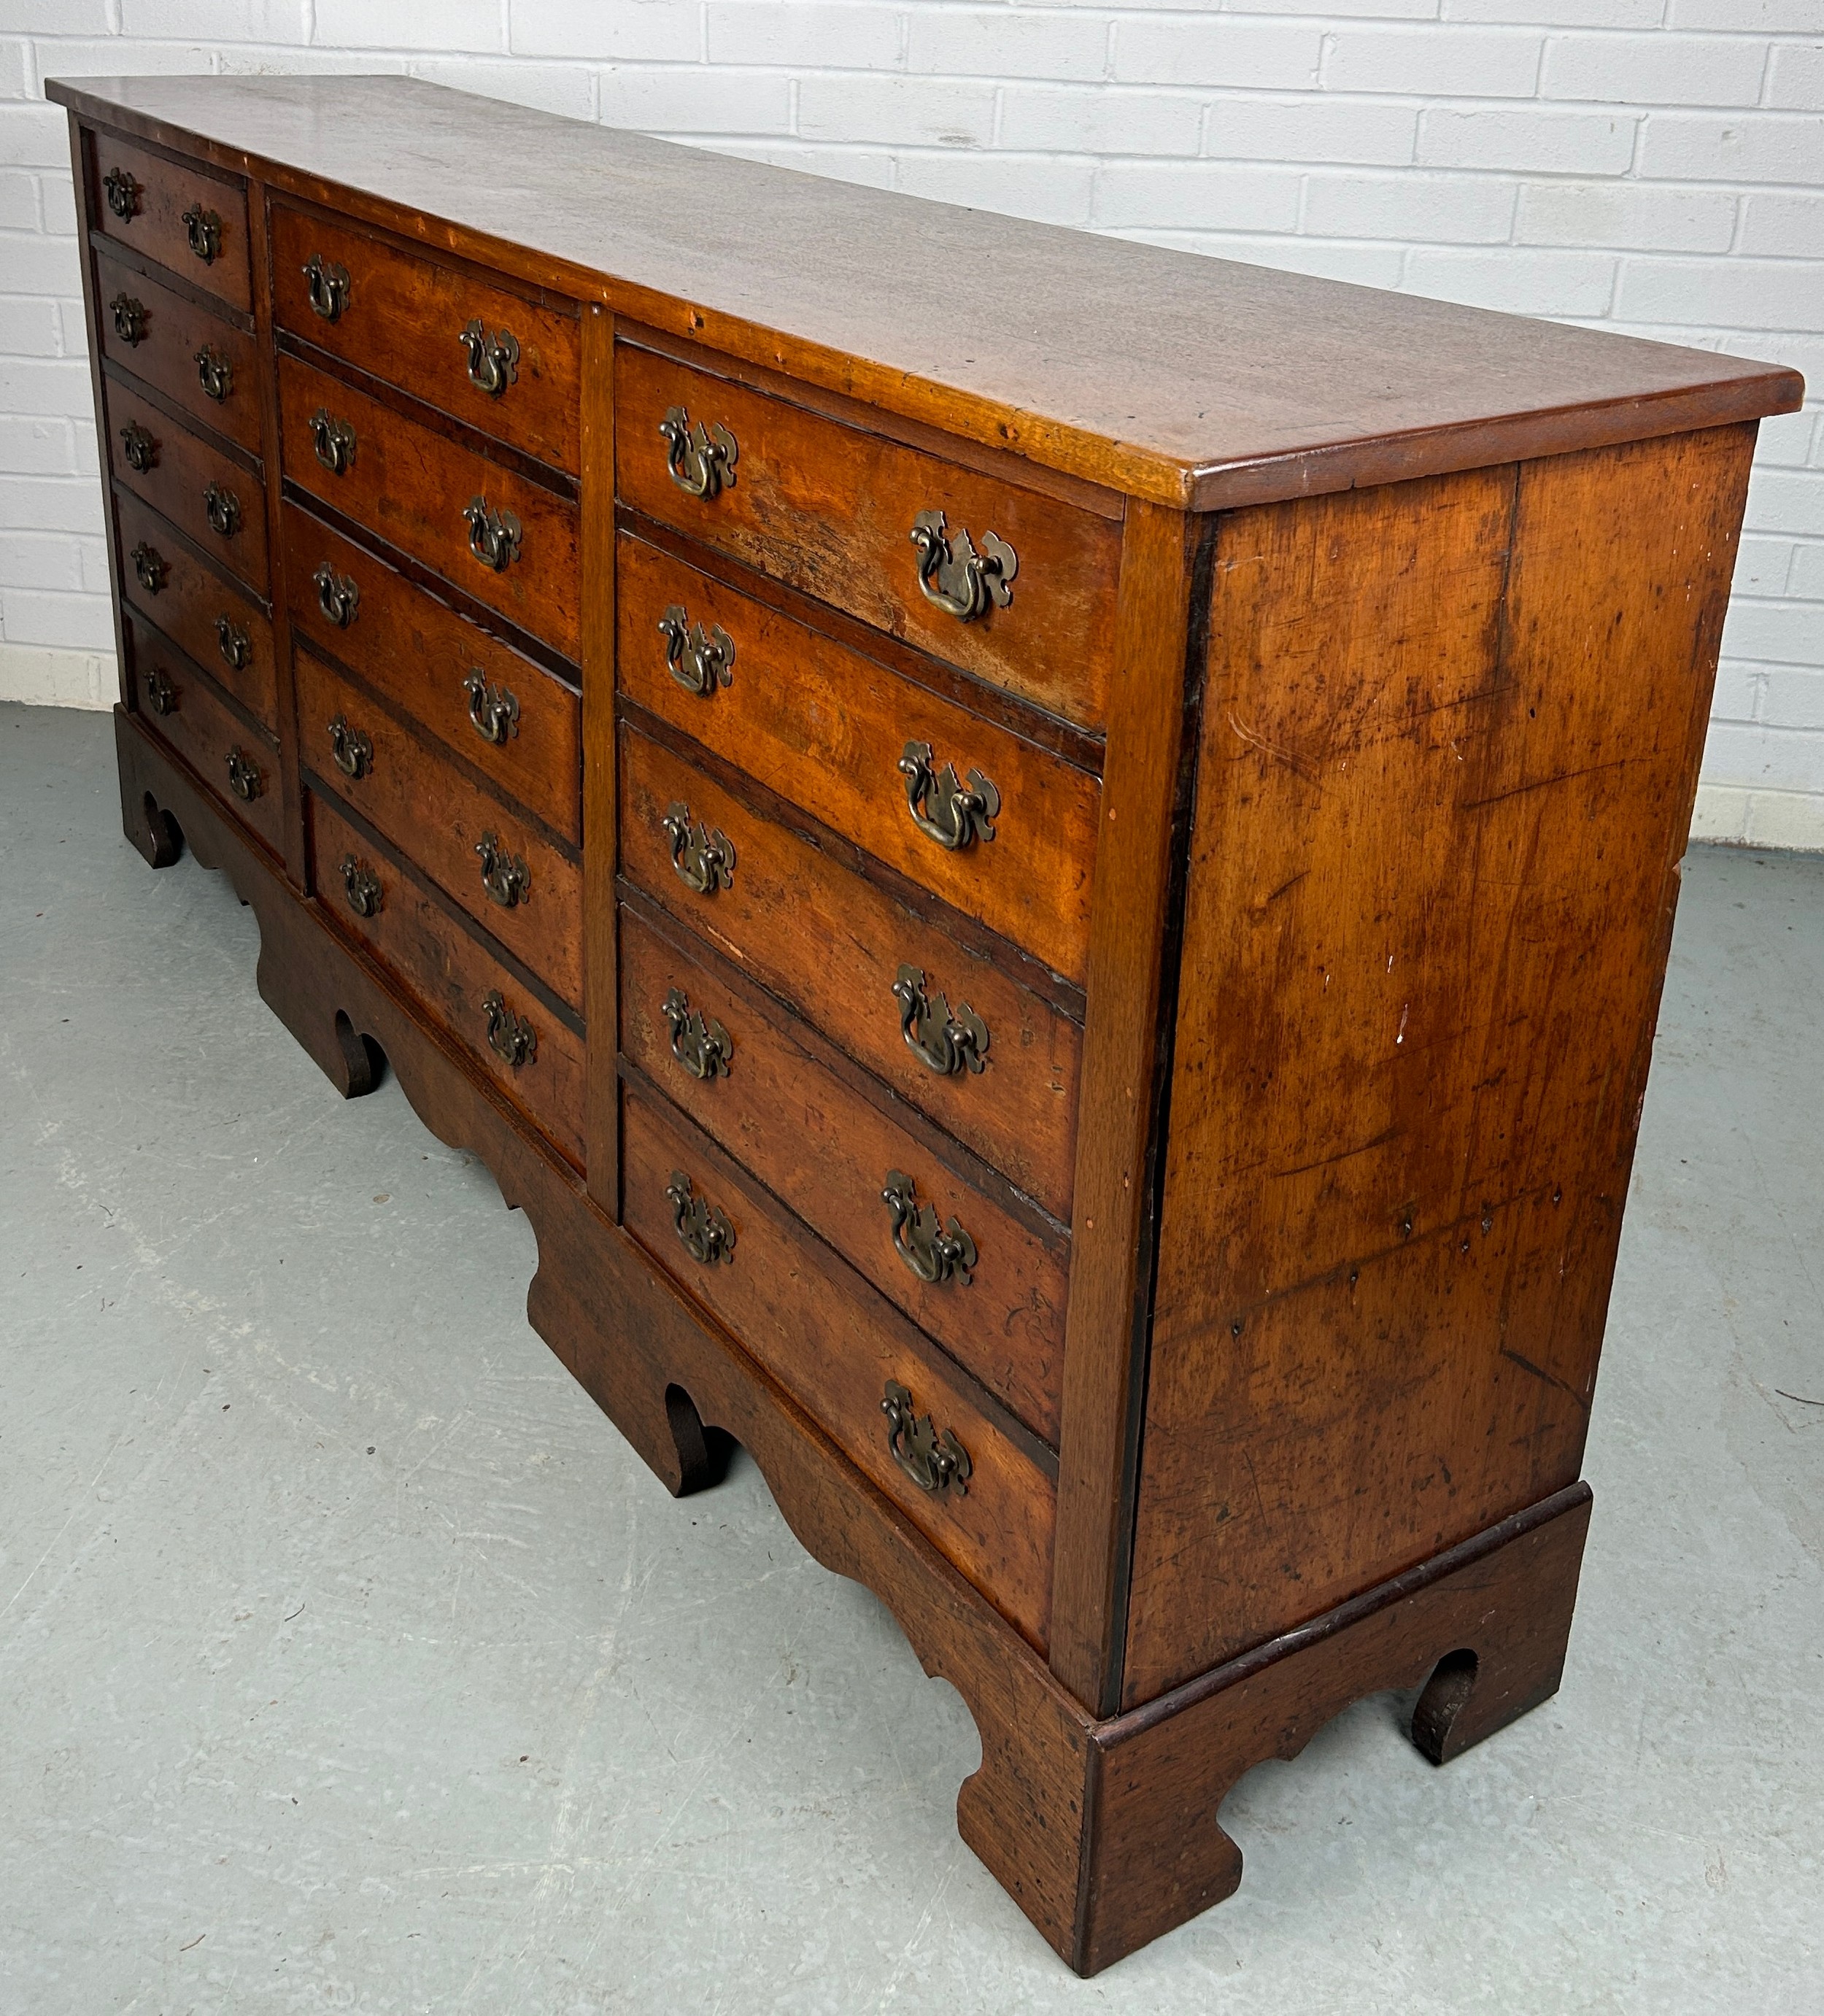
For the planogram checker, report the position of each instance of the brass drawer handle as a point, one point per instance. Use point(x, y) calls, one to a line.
point(123, 193)
point(360, 886)
point(941, 808)
point(494, 360)
point(706, 1234)
point(352, 748)
point(954, 576)
point(493, 709)
point(945, 1042)
point(704, 856)
point(699, 660)
point(161, 695)
point(151, 566)
point(506, 877)
point(130, 319)
point(334, 441)
point(214, 373)
point(222, 509)
point(245, 778)
point(935, 1463)
point(918, 1237)
point(338, 596)
point(233, 642)
point(139, 446)
point(511, 1037)
point(698, 1043)
point(701, 458)
point(204, 229)
point(327, 283)
point(494, 536)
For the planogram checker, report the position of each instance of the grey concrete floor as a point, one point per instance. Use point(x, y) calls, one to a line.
point(349, 1659)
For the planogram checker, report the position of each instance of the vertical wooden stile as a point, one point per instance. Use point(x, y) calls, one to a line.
point(602, 1119)
point(1105, 1338)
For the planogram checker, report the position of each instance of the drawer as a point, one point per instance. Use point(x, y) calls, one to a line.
point(831, 508)
point(462, 684)
point(513, 881)
point(219, 625)
point(206, 494)
point(855, 745)
point(239, 764)
point(181, 215)
point(533, 1056)
point(413, 486)
point(487, 356)
point(992, 1294)
point(195, 358)
point(837, 947)
point(825, 1336)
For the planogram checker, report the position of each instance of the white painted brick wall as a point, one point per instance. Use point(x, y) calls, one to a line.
point(1652, 165)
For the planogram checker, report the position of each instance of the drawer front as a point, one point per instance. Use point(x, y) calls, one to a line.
point(238, 764)
point(219, 626)
point(835, 1346)
point(832, 509)
point(195, 358)
point(835, 946)
point(413, 322)
point(413, 486)
point(176, 213)
point(217, 501)
point(461, 836)
point(536, 1059)
point(993, 1293)
point(499, 711)
point(829, 729)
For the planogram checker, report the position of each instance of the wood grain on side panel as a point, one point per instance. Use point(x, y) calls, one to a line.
point(1450, 745)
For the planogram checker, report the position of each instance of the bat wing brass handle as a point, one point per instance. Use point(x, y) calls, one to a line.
point(495, 537)
point(334, 440)
point(222, 509)
point(944, 1042)
point(494, 360)
point(510, 1037)
point(140, 446)
point(204, 229)
point(214, 373)
point(505, 876)
point(338, 596)
point(935, 1462)
point(130, 319)
point(954, 576)
point(700, 661)
point(942, 808)
point(703, 1229)
point(361, 887)
point(327, 284)
point(494, 710)
point(151, 566)
point(245, 778)
point(233, 642)
point(161, 695)
point(704, 855)
point(352, 748)
point(698, 1042)
point(123, 193)
point(934, 1254)
point(701, 458)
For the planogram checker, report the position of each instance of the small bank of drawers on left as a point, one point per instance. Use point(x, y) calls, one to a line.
point(184, 447)
point(427, 428)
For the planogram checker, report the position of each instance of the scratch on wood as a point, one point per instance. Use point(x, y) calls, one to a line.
point(1539, 1372)
point(1261, 743)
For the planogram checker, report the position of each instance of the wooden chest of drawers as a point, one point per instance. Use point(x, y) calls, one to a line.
point(1047, 866)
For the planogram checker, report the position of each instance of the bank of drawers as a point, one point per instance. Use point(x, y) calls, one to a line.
point(855, 926)
point(442, 763)
point(182, 440)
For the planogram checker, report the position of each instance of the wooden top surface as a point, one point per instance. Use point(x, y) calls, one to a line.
point(1189, 380)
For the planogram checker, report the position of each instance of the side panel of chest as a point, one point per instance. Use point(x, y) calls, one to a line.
point(1450, 742)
